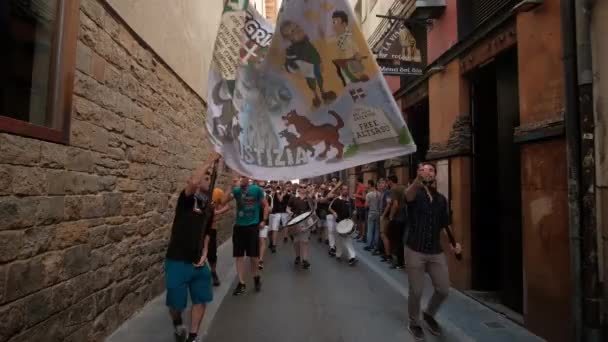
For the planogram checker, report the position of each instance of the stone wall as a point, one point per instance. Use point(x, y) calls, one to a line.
point(84, 226)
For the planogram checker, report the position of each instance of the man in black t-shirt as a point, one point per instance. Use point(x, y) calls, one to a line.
point(186, 259)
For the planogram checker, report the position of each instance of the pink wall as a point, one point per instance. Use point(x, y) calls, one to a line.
point(394, 83)
point(444, 32)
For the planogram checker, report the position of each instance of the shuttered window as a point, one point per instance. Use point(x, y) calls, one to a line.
point(482, 10)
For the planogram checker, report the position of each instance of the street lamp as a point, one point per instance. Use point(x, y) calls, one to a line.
point(527, 5)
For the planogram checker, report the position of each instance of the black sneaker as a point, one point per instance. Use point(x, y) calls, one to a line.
point(305, 264)
point(397, 267)
point(260, 265)
point(327, 242)
point(191, 339)
point(258, 283)
point(352, 262)
point(431, 324)
point(240, 289)
point(384, 259)
point(297, 261)
point(285, 239)
point(216, 279)
point(273, 249)
point(367, 248)
point(416, 331)
point(332, 252)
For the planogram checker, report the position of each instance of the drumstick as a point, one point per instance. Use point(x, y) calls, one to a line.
point(453, 242)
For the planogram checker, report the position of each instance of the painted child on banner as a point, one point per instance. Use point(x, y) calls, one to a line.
point(303, 59)
point(349, 65)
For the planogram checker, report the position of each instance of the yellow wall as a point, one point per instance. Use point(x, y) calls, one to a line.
point(182, 34)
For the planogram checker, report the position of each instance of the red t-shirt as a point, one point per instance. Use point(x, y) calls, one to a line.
point(360, 202)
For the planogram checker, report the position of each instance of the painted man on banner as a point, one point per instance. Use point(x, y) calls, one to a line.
point(302, 58)
point(349, 64)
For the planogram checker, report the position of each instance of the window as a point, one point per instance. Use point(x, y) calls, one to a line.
point(38, 39)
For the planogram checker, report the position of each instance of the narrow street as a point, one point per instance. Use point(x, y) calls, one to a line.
point(330, 302)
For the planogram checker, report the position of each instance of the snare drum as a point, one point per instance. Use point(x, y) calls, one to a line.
point(345, 227)
point(302, 223)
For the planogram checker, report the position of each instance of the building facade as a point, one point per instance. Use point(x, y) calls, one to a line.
point(490, 111)
point(101, 124)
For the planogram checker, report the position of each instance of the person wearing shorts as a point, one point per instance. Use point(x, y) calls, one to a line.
point(217, 196)
point(279, 216)
point(300, 204)
point(245, 237)
point(264, 231)
point(186, 268)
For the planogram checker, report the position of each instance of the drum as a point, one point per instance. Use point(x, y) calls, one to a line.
point(345, 227)
point(302, 223)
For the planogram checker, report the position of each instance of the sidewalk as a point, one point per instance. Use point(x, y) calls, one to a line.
point(152, 323)
point(461, 317)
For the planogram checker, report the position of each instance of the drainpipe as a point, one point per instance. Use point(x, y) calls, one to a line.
point(572, 124)
point(579, 122)
point(591, 287)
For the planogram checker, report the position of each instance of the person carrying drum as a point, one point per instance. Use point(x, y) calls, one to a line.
point(298, 205)
point(250, 204)
point(279, 216)
point(342, 208)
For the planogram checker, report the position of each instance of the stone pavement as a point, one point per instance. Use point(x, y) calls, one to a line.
point(331, 302)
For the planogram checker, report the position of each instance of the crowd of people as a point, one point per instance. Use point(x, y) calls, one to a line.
point(401, 225)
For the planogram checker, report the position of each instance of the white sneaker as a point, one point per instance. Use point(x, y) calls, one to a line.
point(181, 333)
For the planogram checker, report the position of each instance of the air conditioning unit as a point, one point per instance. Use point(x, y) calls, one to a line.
point(428, 9)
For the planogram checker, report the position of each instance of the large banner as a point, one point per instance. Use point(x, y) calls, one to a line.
point(302, 101)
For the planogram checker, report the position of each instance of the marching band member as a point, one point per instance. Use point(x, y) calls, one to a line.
point(298, 205)
point(343, 208)
point(322, 211)
point(279, 217)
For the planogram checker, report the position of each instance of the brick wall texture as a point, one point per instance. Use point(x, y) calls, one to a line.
point(84, 226)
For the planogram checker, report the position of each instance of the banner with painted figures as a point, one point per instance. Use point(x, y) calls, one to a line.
point(303, 100)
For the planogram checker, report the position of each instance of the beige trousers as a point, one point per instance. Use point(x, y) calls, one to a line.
point(417, 264)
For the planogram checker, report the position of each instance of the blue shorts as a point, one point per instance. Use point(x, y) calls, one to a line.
point(181, 277)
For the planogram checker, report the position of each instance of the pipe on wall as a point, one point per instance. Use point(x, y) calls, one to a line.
point(571, 120)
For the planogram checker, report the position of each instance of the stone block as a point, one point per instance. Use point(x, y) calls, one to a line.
point(12, 322)
point(105, 323)
point(53, 156)
point(98, 236)
point(81, 160)
point(89, 136)
point(98, 67)
point(6, 179)
point(83, 207)
point(50, 210)
point(82, 312)
point(83, 57)
point(24, 277)
point(127, 185)
point(94, 10)
point(36, 240)
point(17, 212)
point(39, 307)
point(19, 150)
point(69, 234)
point(113, 203)
point(76, 261)
point(103, 299)
point(29, 181)
point(12, 243)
